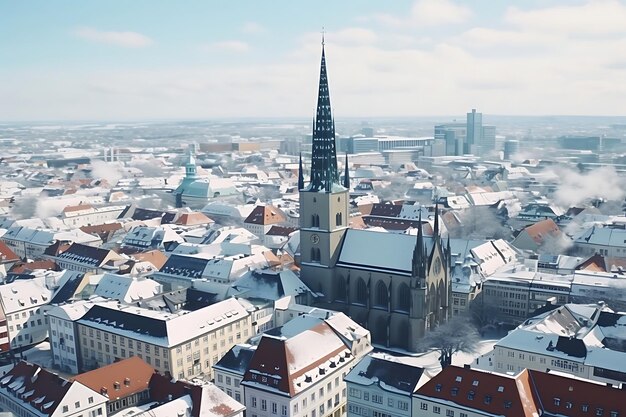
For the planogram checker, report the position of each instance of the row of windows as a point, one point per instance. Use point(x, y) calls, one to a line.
point(378, 399)
point(381, 294)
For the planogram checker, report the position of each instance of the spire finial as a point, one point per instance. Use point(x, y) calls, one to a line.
point(300, 174)
point(436, 227)
point(323, 33)
point(346, 175)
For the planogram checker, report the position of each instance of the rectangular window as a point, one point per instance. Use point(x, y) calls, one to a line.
point(263, 403)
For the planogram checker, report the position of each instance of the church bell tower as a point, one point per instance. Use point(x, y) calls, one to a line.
point(323, 201)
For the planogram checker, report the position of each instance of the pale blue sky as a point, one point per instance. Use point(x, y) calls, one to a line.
point(124, 60)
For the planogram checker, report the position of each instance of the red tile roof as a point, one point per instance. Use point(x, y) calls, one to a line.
point(293, 358)
point(566, 396)
point(540, 230)
point(492, 393)
point(193, 219)
point(119, 379)
point(78, 207)
point(530, 393)
point(6, 254)
point(38, 383)
point(265, 215)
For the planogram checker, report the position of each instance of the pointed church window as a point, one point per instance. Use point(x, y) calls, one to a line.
point(382, 297)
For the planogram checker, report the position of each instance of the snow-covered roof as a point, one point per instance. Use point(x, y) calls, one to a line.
point(126, 288)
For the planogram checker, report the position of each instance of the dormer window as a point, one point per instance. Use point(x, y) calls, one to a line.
point(116, 385)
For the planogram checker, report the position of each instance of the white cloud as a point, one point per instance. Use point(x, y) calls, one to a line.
point(228, 46)
point(125, 39)
point(253, 28)
point(429, 13)
point(596, 17)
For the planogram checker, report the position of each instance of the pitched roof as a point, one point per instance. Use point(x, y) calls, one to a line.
point(119, 379)
point(390, 375)
point(79, 207)
point(540, 230)
point(207, 400)
point(290, 365)
point(265, 215)
point(85, 254)
point(567, 396)
point(155, 257)
point(193, 218)
point(491, 393)
point(281, 231)
point(6, 254)
point(36, 386)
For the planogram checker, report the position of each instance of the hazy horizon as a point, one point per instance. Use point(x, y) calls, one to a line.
point(201, 60)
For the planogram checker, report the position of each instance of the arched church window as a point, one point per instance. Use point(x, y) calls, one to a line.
point(315, 220)
point(315, 254)
point(382, 297)
point(342, 292)
point(404, 297)
point(361, 291)
point(338, 219)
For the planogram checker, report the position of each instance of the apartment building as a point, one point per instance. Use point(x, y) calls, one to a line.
point(83, 258)
point(28, 390)
point(297, 369)
point(464, 392)
point(184, 344)
point(85, 214)
point(379, 386)
point(63, 334)
point(23, 322)
point(585, 341)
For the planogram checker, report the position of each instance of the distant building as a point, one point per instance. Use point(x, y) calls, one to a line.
point(474, 137)
point(453, 134)
point(196, 192)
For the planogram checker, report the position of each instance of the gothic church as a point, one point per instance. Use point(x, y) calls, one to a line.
point(396, 285)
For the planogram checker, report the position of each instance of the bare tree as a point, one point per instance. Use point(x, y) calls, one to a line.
point(457, 335)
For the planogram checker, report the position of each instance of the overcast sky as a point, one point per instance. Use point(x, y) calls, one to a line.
point(150, 59)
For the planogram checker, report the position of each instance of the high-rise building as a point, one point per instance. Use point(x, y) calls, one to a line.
point(474, 132)
point(454, 136)
point(488, 140)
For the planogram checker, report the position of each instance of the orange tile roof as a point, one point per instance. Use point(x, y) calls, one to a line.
point(78, 207)
point(540, 230)
point(6, 254)
point(265, 215)
point(155, 257)
point(192, 219)
point(119, 379)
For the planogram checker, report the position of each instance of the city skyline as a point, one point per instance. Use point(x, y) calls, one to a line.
point(410, 58)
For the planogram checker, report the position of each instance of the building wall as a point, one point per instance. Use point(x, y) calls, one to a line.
point(26, 327)
point(92, 216)
point(326, 397)
point(230, 383)
point(372, 401)
point(63, 342)
point(430, 407)
point(194, 357)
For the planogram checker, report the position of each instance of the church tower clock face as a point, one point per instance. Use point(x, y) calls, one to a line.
point(315, 239)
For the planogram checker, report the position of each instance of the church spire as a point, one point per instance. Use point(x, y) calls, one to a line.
point(324, 171)
point(346, 175)
point(300, 175)
point(436, 226)
point(419, 257)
